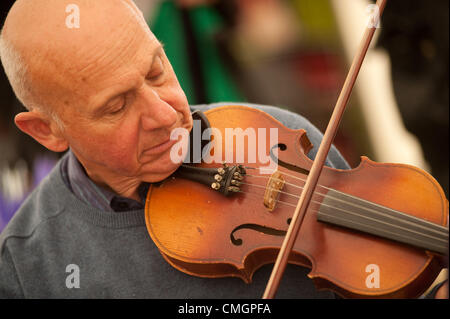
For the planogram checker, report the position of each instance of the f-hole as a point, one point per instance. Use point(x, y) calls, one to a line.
point(291, 167)
point(262, 229)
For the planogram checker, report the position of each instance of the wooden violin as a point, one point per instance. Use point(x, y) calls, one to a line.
point(387, 217)
point(378, 230)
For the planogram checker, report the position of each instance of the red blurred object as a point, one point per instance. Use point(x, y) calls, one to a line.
point(319, 71)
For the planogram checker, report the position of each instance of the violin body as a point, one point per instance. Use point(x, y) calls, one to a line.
point(203, 233)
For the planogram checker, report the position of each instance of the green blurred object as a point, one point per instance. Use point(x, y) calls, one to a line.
point(317, 19)
point(168, 26)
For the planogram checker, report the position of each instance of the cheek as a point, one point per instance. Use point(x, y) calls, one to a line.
point(118, 153)
point(112, 146)
point(120, 147)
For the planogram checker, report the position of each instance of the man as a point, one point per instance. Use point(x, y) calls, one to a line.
point(107, 92)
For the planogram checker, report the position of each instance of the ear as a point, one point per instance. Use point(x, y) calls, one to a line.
point(42, 130)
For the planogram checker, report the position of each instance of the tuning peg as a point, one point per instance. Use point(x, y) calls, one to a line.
point(234, 189)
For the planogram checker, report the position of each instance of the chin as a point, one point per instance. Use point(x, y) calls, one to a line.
point(160, 171)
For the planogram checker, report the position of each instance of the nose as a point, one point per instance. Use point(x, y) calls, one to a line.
point(156, 113)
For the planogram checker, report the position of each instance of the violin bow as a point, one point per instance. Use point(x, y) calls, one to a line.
point(324, 148)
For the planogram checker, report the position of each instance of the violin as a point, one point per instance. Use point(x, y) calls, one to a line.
point(385, 219)
point(379, 230)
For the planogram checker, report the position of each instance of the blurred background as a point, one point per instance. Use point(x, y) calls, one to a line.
point(293, 54)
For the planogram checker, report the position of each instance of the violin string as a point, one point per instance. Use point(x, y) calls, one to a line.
point(258, 196)
point(409, 238)
point(362, 215)
point(355, 213)
point(362, 201)
point(316, 192)
point(290, 184)
point(296, 177)
point(286, 174)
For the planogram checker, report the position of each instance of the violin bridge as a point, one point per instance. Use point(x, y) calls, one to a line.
point(273, 188)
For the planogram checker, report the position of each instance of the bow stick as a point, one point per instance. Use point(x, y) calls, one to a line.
point(324, 148)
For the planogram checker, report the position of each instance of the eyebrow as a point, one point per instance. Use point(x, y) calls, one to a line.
point(103, 105)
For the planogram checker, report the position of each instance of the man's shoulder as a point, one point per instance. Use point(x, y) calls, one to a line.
point(43, 203)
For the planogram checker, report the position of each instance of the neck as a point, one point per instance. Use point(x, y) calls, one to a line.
point(122, 186)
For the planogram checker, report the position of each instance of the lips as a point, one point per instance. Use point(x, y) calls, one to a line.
point(160, 148)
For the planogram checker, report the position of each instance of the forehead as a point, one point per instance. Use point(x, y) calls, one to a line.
point(101, 67)
point(128, 76)
point(119, 45)
point(111, 41)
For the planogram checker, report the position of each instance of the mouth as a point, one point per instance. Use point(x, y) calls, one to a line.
point(160, 148)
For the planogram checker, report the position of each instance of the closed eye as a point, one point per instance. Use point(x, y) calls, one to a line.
point(118, 110)
point(157, 70)
point(155, 77)
point(119, 106)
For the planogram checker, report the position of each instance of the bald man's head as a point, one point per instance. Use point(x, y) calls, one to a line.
point(109, 83)
point(42, 53)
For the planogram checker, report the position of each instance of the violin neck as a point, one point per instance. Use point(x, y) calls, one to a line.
point(358, 214)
